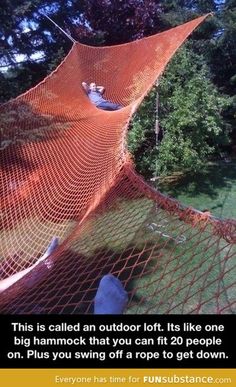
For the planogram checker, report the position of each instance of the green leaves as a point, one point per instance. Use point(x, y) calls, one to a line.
point(189, 116)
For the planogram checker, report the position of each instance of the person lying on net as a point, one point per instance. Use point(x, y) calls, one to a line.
point(95, 94)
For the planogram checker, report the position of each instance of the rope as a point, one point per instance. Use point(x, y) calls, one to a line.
point(63, 31)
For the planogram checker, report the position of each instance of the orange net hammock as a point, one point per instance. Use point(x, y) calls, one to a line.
point(66, 172)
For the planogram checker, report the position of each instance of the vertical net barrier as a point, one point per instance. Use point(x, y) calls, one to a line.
point(66, 172)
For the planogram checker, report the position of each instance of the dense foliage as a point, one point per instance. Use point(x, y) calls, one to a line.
point(190, 121)
point(197, 94)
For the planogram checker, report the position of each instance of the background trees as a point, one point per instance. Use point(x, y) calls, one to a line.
point(197, 92)
point(190, 120)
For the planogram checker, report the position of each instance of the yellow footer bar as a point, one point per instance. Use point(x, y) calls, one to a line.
point(117, 377)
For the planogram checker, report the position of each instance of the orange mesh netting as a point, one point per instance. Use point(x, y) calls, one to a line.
point(66, 172)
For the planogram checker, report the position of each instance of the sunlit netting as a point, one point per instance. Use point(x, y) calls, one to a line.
point(66, 172)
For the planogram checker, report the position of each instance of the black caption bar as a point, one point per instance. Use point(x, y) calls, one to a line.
point(129, 341)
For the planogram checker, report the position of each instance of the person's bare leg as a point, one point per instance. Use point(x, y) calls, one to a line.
point(7, 282)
